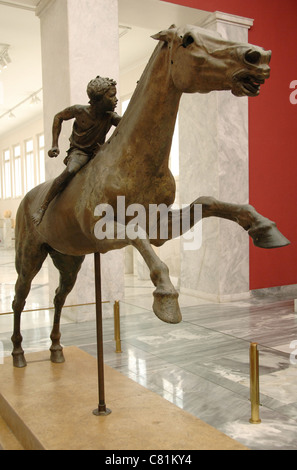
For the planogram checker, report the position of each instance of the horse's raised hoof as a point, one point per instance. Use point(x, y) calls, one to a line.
point(57, 356)
point(19, 360)
point(166, 307)
point(267, 235)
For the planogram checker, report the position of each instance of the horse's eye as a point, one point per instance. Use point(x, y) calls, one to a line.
point(187, 40)
point(252, 57)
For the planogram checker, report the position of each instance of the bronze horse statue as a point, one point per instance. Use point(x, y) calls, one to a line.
point(134, 163)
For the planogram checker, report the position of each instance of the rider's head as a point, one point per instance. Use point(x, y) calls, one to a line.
point(98, 87)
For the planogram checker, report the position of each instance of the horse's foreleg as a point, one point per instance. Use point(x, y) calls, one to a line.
point(165, 305)
point(263, 231)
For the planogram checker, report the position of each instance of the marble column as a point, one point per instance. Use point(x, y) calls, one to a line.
point(214, 162)
point(80, 40)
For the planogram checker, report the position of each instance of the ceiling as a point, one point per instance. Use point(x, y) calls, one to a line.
point(20, 28)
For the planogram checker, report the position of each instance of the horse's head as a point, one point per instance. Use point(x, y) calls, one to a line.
point(201, 61)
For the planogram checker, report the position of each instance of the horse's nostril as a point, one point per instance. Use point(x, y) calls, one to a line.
point(252, 57)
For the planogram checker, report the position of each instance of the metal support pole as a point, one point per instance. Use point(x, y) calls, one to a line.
point(254, 384)
point(101, 410)
point(117, 327)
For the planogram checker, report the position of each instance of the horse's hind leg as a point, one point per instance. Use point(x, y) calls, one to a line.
point(68, 267)
point(263, 231)
point(28, 263)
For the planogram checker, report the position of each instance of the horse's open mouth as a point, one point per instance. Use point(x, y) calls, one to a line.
point(251, 85)
point(247, 85)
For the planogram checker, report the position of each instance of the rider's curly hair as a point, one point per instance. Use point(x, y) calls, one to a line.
point(98, 87)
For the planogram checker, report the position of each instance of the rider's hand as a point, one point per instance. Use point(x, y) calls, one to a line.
point(54, 152)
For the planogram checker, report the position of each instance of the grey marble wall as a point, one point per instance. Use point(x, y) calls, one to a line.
point(74, 36)
point(214, 162)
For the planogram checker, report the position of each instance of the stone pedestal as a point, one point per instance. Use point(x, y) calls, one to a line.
point(49, 407)
point(80, 40)
point(214, 162)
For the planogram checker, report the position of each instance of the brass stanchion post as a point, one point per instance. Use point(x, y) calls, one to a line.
point(254, 384)
point(117, 327)
point(101, 410)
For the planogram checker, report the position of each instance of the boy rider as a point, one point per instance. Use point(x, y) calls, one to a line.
point(91, 125)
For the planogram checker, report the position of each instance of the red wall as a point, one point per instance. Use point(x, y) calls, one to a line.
point(273, 132)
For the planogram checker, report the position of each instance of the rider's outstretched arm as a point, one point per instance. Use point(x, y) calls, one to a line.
point(65, 115)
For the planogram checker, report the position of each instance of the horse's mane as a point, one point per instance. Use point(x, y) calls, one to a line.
point(142, 81)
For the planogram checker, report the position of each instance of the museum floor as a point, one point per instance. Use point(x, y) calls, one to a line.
point(200, 365)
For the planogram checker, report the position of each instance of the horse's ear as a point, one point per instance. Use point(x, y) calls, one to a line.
point(166, 35)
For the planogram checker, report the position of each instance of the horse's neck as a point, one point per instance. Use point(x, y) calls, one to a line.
point(137, 152)
point(147, 127)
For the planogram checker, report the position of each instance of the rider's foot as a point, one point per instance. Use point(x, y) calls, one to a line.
point(38, 216)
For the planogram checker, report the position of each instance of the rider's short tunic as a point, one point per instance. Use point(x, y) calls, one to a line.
point(84, 144)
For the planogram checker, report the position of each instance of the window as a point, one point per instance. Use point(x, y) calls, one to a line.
point(29, 165)
point(18, 180)
point(41, 159)
point(7, 175)
point(22, 167)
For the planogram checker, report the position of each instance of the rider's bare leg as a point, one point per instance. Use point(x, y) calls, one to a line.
point(58, 186)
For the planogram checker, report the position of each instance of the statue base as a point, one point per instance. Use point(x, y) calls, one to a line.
point(49, 407)
point(102, 411)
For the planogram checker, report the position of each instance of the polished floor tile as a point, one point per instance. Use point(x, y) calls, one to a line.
point(201, 364)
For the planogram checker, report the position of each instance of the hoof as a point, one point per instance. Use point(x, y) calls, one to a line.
point(19, 360)
point(166, 307)
point(57, 356)
point(268, 236)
